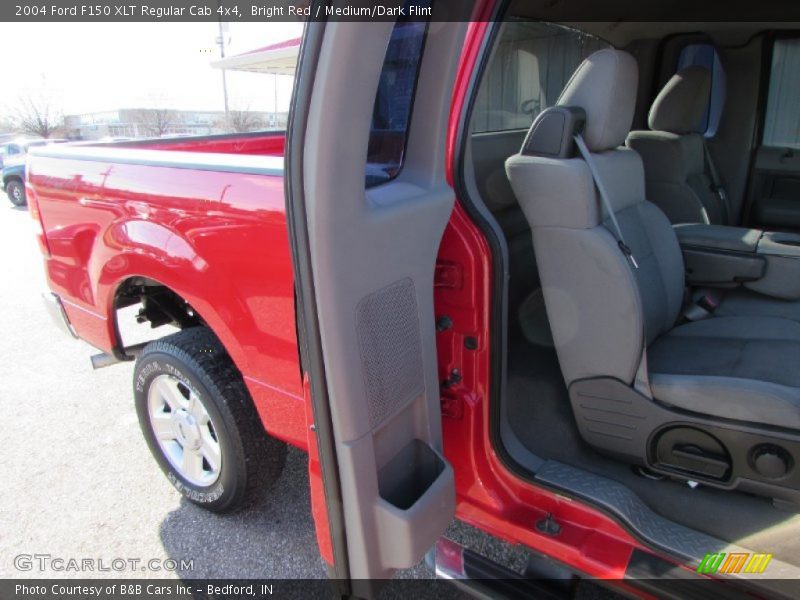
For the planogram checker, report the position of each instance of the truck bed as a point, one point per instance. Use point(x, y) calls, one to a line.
point(202, 217)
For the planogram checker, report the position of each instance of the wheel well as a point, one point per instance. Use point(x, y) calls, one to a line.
point(158, 305)
point(11, 178)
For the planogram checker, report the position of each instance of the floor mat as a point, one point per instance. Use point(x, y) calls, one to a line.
point(540, 415)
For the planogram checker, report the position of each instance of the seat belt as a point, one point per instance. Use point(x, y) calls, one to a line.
point(587, 157)
point(716, 182)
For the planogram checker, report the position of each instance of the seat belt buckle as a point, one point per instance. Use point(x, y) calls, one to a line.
point(628, 253)
point(702, 308)
point(708, 303)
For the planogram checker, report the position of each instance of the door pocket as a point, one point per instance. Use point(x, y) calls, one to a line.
point(416, 496)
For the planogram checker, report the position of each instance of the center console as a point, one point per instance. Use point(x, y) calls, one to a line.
point(719, 256)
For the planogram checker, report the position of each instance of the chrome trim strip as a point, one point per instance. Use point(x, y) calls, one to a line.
point(177, 159)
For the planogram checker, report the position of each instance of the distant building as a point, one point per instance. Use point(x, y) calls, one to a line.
point(277, 59)
point(152, 122)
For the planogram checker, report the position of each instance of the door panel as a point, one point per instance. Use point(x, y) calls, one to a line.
point(776, 188)
point(372, 251)
point(774, 192)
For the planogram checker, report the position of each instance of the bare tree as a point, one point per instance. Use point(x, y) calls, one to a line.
point(36, 114)
point(242, 121)
point(7, 124)
point(155, 121)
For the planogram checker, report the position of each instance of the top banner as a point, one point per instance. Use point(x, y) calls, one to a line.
point(388, 10)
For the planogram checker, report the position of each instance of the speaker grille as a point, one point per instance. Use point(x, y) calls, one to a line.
point(391, 349)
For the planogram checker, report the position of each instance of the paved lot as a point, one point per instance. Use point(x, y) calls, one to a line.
point(78, 479)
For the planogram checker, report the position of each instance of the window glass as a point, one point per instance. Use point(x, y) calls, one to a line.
point(391, 114)
point(782, 120)
point(531, 65)
point(705, 55)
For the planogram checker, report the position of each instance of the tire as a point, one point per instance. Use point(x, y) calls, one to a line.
point(186, 386)
point(16, 192)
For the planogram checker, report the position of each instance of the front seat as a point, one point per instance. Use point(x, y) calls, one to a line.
point(714, 400)
point(680, 175)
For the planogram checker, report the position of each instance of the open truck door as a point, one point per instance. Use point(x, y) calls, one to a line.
point(367, 203)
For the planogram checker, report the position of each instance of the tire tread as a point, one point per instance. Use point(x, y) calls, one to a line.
point(264, 455)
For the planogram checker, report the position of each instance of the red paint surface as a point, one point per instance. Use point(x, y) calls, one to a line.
point(218, 239)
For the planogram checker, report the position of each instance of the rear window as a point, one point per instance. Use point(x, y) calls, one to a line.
point(705, 55)
point(394, 100)
point(782, 119)
point(531, 65)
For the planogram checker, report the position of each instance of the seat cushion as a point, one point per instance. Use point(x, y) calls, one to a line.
point(744, 303)
point(742, 368)
point(676, 177)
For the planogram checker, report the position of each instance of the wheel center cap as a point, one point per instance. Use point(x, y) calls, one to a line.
point(186, 430)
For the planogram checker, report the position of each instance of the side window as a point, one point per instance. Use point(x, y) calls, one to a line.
point(391, 114)
point(782, 119)
point(705, 55)
point(14, 149)
point(531, 65)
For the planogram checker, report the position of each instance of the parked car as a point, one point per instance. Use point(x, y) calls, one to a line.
point(12, 154)
point(13, 177)
point(12, 148)
point(459, 317)
point(12, 160)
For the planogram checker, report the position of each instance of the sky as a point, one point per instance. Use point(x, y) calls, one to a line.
point(88, 67)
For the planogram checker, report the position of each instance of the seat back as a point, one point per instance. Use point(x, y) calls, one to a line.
point(676, 171)
point(603, 313)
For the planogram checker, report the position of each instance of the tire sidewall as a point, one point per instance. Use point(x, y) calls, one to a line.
point(232, 478)
point(9, 189)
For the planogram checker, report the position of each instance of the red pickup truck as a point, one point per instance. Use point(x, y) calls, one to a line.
point(537, 276)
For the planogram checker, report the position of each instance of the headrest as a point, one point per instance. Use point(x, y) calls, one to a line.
point(604, 86)
point(682, 102)
point(553, 131)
